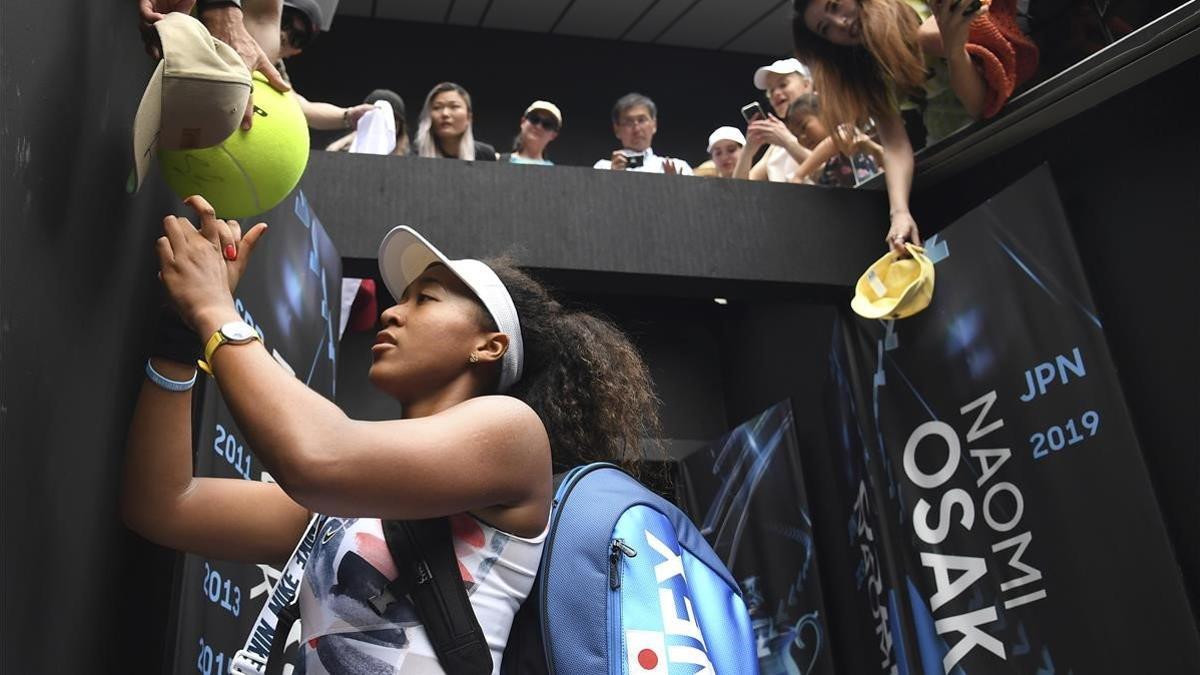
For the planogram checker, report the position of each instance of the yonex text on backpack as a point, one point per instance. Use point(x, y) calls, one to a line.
point(628, 585)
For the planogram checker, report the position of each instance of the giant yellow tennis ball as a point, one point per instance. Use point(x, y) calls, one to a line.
point(251, 171)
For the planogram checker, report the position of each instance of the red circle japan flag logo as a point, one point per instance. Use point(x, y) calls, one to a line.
point(645, 652)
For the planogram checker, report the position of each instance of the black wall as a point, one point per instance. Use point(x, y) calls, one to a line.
point(696, 91)
point(639, 227)
point(80, 593)
point(1127, 174)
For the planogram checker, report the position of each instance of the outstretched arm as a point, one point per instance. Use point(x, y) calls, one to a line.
point(822, 153)
point(327, 116)
point(242, 520)
point(898, 173)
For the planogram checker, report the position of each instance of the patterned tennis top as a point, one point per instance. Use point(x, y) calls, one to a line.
point(343, 633)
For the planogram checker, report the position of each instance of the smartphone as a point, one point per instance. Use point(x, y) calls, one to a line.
point(753, 111)
point(634, 161)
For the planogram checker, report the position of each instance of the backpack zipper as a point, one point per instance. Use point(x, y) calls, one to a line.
point(618, 548)
point(616, 634)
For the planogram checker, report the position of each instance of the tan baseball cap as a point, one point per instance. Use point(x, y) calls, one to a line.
point(548, 107)
point(196, 96)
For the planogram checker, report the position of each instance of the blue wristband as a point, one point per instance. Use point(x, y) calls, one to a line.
point(166, 383)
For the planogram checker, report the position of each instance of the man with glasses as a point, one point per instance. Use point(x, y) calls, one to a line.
point(635, 121)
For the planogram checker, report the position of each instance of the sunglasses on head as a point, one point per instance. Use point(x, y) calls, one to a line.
point(299, 32)
point(548, 123)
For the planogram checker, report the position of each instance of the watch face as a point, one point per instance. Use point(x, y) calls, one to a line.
point(237, 331)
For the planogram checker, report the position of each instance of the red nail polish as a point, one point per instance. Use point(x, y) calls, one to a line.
point(230, 252)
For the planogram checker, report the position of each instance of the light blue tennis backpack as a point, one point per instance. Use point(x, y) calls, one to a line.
point(628, 585)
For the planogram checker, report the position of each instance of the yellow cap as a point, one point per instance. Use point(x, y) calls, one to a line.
point(895, 287)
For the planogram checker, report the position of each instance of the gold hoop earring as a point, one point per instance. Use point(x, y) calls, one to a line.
point(473, 358)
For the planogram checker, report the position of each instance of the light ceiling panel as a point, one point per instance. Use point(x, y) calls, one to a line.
point(601, 18)
point(466, 12)
point(529, 15)
point(429, 11)
point(659, 16)
point(353, 8)
point(772, 35)
point(710, 23)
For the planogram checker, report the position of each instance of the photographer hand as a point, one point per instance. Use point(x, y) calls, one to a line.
point(770, 130)
point(954, 19)
point(619, 161)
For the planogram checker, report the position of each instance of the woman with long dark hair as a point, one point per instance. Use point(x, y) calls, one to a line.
point(957, 60)
point(445, 128)
point(498, 386)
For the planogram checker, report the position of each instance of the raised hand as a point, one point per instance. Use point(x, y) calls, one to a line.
point(153, 11)
point(226, 24)
point(768, 130)
point(202, 267)
point(954, 19)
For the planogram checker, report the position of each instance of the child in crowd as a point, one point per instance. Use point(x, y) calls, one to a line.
point(724, 149)
point(804, 120)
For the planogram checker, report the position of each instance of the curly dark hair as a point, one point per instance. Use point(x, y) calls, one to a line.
point(583, 377)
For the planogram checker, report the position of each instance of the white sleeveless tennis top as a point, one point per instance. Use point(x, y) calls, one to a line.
point(341, 631)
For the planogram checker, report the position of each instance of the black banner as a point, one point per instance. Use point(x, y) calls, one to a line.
point(999, 513)
point(291, 294)
point(746, 493)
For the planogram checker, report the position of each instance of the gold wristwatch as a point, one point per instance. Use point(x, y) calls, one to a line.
point(234, 332)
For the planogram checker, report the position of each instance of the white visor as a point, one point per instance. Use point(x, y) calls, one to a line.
point(404, 255)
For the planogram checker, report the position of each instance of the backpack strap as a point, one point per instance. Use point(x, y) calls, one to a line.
point(423, 551)
point(283, 625)
point(525, 653)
